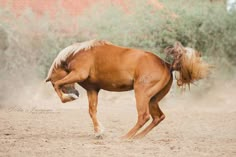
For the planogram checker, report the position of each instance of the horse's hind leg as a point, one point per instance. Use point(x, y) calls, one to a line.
point(143, 112)
point(155, 111)
point(157, 116)
point(93, 100)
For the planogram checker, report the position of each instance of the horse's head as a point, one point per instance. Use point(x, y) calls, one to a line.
point(66, 92)
point(188, 62)
point(178, 52)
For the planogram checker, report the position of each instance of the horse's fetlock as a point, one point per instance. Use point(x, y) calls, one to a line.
point(63, 100)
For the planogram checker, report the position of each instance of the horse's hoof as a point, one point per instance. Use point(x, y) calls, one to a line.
point(137, 137)
point(73, 96)
point(99, 135)
point(124, 138)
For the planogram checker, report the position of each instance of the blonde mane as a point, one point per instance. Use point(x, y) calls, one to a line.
point(72, 50)
point(188, 64)
point(192, 68)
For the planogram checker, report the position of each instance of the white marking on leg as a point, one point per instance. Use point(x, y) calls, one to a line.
point(74, 96)
point(70, 96)
point(100, 132)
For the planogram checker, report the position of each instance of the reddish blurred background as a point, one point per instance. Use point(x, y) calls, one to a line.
point(73, 7)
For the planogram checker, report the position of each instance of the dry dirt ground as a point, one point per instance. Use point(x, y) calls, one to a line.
point(197, 124)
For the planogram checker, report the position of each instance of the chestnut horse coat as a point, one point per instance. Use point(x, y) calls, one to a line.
point(99, 65)
point(118, 68)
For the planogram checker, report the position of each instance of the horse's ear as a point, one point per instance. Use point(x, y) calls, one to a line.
point(168, 50)
point(48, 79)
point(178, 45)
point(178, 49)
point(199, 54)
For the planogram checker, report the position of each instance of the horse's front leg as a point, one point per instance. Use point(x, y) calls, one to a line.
point(93, 101)
point(72, 77)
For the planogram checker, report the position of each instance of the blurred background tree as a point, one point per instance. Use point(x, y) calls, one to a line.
point(31, 36)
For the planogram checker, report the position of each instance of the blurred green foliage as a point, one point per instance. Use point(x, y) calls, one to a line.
point(33, 42)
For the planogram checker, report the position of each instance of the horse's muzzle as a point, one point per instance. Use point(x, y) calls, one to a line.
point(76, 93)
point(71, 92)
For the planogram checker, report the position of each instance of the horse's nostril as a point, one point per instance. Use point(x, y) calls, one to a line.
point(76, 93)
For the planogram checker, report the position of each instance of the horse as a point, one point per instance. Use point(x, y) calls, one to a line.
point(99, 64)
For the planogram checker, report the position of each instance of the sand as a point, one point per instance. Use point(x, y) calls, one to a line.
point(197, 124)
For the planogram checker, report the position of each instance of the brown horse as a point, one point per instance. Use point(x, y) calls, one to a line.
point(99, 65)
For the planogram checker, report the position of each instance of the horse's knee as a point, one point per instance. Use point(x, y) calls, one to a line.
point(56, 86)
point(92, 112)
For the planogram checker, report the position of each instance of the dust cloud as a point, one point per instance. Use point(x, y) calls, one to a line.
point(199, 122)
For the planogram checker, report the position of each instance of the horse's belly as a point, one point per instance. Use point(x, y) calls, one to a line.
point(116, 86)
point(113, 81)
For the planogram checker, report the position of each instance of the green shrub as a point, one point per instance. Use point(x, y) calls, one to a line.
point(34, 42)
point(200, 24)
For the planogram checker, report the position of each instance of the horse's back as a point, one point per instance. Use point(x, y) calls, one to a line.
point(116, 68)
point(122, 58)
point(111, 57)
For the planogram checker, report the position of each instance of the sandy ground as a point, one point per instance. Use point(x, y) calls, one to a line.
point(195, 126)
